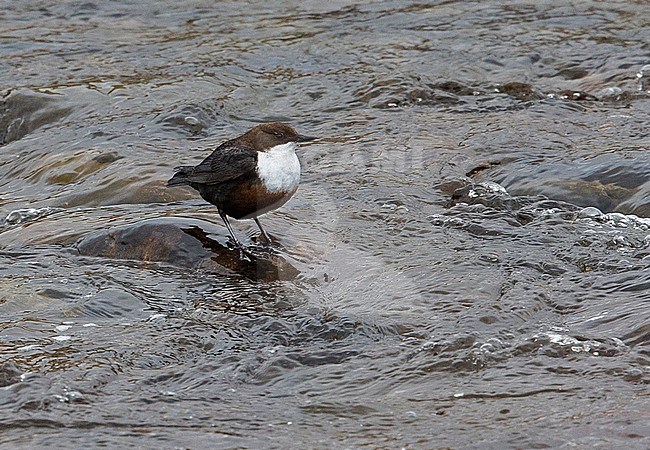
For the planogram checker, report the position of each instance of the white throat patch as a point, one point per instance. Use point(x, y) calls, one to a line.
point(279, 168)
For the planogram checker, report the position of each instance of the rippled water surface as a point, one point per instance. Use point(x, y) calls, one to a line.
point(465, 265)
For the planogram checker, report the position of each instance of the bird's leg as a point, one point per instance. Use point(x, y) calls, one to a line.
point(232, 233)
point(243, 253)
point(266, 237)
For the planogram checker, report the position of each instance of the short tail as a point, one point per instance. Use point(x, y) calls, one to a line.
point(180, 177)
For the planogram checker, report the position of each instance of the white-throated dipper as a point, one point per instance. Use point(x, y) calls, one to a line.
point(248, 176)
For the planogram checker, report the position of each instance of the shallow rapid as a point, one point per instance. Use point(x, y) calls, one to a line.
point(466, 263)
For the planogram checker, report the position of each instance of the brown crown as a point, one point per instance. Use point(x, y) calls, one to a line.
point(267, 135)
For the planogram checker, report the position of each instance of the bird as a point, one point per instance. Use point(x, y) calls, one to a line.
point(249, 175)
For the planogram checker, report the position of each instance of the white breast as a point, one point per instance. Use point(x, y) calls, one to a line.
point(279, 168)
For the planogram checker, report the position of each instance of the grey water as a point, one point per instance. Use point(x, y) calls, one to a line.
point(471, 234)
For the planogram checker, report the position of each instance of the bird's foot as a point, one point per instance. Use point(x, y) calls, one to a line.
point(246, 254)
point(264, 239)
point(265, 245)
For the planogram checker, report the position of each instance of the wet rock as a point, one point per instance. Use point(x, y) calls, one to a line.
point(191, 120)
point(107, 157)
point(188, 243)
point(588, 193)
point(582, 193)
point(9, 374)
point(572, 73)
point(520, 91)
point(446, 93)
point(623, 97)
point(590, 213)
point(578, 96)
point(511, 95)
point(68, 169)
point(453, 87)
point(609, 182)
point(487, 194)
point(507, 96)
point(638, 204)
point(480, 167)
point(125, 191)
point(22, 113)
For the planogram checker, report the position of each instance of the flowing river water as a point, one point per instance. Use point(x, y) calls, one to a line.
point(467, 258)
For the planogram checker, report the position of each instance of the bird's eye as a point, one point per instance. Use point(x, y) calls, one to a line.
point(279, 135)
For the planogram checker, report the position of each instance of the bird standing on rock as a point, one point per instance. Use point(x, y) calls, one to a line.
point(248, 176)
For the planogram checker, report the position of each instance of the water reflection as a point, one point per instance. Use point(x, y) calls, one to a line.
point(186, 243)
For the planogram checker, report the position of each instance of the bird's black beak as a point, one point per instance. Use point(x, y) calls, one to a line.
point(305, 138)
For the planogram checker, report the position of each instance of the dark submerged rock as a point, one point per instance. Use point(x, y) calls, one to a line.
point(9, 374)
point(22, 113)
point(187, 243)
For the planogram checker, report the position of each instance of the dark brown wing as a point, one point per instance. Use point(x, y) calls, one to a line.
point(227, 162)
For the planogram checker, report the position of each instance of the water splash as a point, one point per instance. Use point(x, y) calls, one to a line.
point(641, 74)
point(24, 215)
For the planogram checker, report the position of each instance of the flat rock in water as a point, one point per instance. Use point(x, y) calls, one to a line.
point(188, 243)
